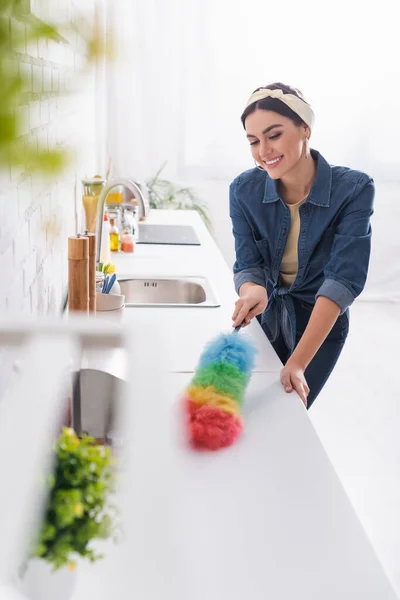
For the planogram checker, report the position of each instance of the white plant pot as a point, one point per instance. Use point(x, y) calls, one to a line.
point(40, 582)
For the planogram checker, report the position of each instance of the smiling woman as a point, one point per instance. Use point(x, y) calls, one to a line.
point(302, 239)
point(292, 127)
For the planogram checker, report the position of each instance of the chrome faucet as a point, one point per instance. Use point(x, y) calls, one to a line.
point(110, 184)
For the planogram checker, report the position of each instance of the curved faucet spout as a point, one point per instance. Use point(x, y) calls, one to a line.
point(111, 183)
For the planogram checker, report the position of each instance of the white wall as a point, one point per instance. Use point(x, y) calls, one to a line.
point(37, 215)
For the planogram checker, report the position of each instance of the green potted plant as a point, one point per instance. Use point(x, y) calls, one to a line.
point(78, 512)
point(166, 195)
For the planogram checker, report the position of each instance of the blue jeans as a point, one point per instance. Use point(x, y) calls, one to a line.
point(321, 366)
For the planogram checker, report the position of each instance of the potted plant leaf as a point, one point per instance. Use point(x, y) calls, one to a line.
point(79, 511)
point(165, 194)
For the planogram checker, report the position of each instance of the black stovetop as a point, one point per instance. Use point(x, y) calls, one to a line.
point(172, 235)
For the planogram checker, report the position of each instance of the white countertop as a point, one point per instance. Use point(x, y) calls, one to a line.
point(193, 326)
point(266, 518)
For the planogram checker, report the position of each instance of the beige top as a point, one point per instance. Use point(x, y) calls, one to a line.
point(290, 263)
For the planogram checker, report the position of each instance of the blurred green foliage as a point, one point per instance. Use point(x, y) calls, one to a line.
point(19, 28)
point(165, 194)
point(78, 508)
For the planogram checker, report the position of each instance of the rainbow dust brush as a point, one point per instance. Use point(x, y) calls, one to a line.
point(214, 397)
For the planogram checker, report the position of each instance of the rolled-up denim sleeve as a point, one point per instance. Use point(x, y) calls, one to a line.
point(347, 269)
point(249, 265)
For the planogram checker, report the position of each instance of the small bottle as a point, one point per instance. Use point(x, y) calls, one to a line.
point(127, 218)
point(105, 256)
point(127, 241)
point(114, 236)
point(135, 225)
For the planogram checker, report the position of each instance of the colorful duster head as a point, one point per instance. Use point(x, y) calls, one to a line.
point(216, 392)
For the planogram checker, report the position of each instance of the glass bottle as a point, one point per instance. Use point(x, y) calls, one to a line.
point(115, 195)
point(114, 236)
point(135, 225)
point(127, 241)
point(92, 189)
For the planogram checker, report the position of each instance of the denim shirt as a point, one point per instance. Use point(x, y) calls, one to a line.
point(334, 241)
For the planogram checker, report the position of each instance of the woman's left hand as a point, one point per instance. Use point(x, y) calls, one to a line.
point(292, 378)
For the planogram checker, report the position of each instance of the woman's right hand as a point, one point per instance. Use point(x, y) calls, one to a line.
point(252, 302)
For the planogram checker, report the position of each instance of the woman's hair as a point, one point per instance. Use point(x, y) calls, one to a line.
point(275, 104)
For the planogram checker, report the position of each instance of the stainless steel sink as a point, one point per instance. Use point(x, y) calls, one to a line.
point(168, 291)
point(97, 400)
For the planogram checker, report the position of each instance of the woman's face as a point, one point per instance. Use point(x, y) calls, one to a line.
point(276, 143)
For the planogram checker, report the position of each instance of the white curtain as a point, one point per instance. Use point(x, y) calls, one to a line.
point(186, 68)
point(145, 85)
